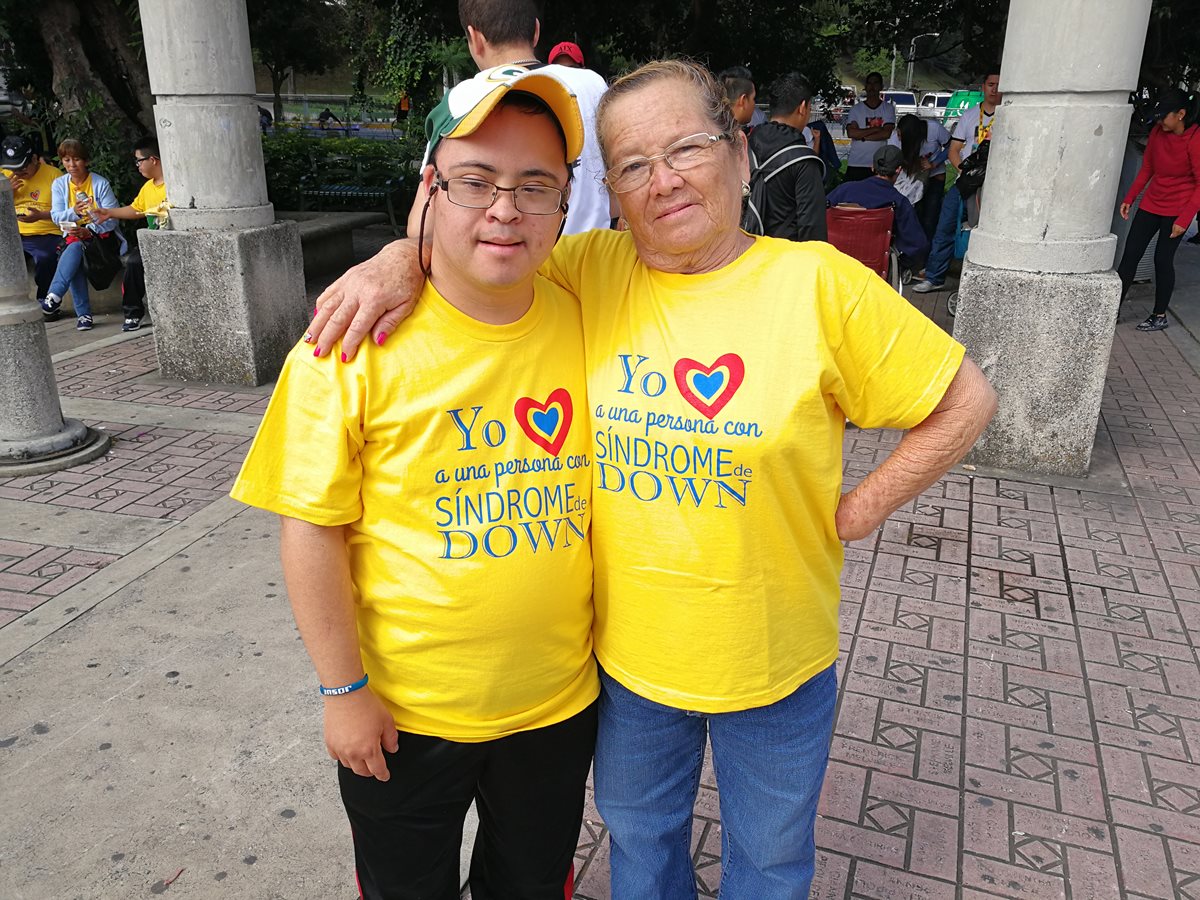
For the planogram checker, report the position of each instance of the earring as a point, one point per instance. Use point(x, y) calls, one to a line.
point(745, 189)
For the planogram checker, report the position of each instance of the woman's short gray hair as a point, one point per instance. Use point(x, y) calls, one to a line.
point(710, 92)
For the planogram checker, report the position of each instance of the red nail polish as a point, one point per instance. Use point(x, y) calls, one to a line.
point(316, 309)
point(380, 338)
point(343, 357)
point(317, 352)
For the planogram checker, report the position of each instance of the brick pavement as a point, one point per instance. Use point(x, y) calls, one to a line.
point(1019, 711)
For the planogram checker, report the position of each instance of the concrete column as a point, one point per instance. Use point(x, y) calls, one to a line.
point(224, 282)
point(1038, 298)
point(34, 436)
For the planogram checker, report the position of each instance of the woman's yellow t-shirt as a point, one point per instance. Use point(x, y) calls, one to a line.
point(457, 455)
point(718, 404)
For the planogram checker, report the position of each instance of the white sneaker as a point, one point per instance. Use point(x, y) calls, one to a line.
point(926, 286)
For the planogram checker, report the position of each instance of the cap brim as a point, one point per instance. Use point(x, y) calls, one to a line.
point(13, 165)
point(547, 88)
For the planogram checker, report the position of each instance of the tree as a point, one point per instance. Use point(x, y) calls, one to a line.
point(81, 68)
point(296, 35)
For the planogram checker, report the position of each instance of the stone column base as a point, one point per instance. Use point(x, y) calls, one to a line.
point(227, 305)
point(1044, 340)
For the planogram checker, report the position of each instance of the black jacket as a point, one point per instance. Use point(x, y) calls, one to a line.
point(796, 197)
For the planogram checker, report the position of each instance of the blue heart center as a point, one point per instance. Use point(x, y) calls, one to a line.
point(545, 422)
point(708, 385)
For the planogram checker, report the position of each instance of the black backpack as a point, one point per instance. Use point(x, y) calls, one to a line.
point(973, 171)
point(754, 210)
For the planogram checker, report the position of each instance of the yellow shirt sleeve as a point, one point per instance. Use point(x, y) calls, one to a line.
point(305, 460)
point(894, 364)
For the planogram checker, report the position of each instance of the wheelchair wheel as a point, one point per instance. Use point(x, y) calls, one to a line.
point(952, 303)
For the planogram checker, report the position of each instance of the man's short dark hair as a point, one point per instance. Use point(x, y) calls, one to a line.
point(502, 22)
point(788, 92)
point(871, 75)
point(738, 82)
point(988, 72)
point(148, 145)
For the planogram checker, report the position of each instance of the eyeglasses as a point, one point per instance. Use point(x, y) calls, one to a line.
point(686, 153)
point(476, 193)
point(138, 160)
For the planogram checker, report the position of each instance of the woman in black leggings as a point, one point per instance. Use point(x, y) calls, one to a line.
point(1171, 168)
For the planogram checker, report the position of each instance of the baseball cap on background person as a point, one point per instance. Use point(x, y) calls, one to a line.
point(888, 160)
point(568, 49)
point(1172, 100)
point(471, 101)
point(15, 152)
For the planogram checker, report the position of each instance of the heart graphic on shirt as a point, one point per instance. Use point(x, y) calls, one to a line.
point(709, 388)
point(546, 424)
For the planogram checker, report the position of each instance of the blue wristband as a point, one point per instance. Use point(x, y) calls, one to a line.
point(344, 689)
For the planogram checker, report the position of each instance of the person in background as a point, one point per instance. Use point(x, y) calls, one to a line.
point(913, 176)
point(740, 89)
point(1170, 175)
point(566, 54)
point(32, 183)
point(934, 143)
point(795, 194)
point(149, 204)
point(879, 191)
point(505, 33)
point(972, 128)
point(76, 197)
point(869, 124)
point(324, 117)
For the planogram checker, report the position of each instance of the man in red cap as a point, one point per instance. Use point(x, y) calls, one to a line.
point(566, 54)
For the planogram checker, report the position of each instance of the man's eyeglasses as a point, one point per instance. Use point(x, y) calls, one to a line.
point(138, 160)
point(476, 193)
point(686, 153)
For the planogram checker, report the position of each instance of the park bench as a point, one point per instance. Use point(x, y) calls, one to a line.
point(342, 182)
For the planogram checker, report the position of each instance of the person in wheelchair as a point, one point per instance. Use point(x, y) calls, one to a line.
point(878, 191)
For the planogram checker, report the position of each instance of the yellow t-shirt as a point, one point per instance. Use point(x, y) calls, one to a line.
point(717, 416)
point(35, 194)
point(76, 192)
point(457, 455)
point(151, 202)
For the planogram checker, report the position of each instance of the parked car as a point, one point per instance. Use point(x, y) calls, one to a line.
point(904, 101)
point(933, 104)
point(959, 102)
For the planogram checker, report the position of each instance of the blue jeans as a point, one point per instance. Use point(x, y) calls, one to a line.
point(72, 273)
point(943, 239)
point(769, 762)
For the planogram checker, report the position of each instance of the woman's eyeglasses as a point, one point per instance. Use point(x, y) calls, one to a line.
point(686, 153)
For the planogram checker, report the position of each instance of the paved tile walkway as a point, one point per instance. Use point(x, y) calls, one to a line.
point(1019, 711)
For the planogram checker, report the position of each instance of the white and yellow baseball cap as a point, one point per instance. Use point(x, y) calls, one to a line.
point(463, 110)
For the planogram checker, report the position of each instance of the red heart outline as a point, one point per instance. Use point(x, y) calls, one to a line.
point(526, 405)
point(737, 372)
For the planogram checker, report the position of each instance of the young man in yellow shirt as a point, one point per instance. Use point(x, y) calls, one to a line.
point(31, 183)
point(149, 204)
point(436, 504)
